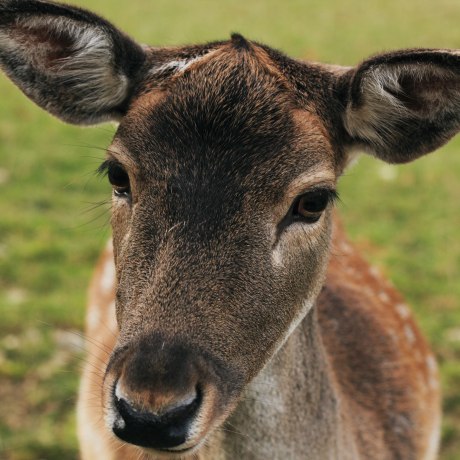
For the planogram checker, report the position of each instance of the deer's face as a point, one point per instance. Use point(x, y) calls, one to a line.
point(224, 169)
point(222, 189)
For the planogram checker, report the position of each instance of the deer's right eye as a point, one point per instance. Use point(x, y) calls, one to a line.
point(119, 179)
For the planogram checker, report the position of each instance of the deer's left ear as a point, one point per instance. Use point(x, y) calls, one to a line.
point(402, 105)
point(72, 63)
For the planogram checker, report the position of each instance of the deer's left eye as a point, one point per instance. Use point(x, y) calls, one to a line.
point(310, 206)
point(119, 179)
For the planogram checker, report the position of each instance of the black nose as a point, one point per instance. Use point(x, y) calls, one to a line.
point(158, 431)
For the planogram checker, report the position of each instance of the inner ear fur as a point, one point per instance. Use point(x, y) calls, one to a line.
point(402, 105)
point(71, 62)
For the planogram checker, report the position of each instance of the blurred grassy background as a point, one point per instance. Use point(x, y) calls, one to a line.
point(52, 228)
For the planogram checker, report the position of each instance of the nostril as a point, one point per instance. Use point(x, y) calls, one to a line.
point(164, 429)
point(183, 408)
point(181, 405)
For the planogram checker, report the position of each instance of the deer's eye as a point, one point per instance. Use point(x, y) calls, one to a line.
point(119, 179)
point(309, 206)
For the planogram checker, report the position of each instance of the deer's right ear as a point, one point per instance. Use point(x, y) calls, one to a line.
point(70, 62)
point(401, 105)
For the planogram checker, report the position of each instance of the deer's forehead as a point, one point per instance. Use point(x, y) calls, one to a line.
point(226, 123)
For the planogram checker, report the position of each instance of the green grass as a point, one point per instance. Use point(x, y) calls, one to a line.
point(406, 218)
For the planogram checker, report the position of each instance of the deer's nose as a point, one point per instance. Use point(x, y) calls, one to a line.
point(162, 393)
point(163, 430)
point(158, 394)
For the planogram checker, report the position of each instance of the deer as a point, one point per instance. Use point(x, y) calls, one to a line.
point(229, 316)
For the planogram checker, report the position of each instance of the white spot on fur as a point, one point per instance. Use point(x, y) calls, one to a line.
point(345, 247)
point(374, 272)
point(369, 291)
point(432, 368)
point(352, 272)
point(409, 332)
point(384, 297)
point(403, 310)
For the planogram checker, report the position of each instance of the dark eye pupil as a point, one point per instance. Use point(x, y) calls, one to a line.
point(119, 179)
point(118, 176)
point(310, 206)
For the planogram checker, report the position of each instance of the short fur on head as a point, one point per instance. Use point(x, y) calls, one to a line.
point(224, 168)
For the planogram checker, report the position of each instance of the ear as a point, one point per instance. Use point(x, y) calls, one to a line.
point(70, 62)
point(402, 105)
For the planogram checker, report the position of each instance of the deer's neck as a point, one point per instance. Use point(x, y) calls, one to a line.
point(292, 409)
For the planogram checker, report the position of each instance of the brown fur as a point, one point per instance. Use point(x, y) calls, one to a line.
point(238, 321)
